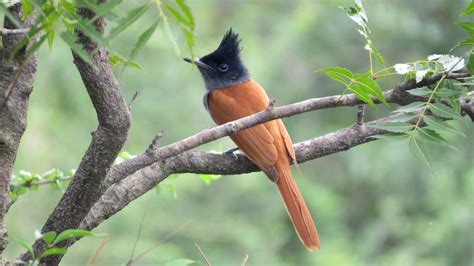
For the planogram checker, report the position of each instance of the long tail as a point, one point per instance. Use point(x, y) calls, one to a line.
point(297, 210)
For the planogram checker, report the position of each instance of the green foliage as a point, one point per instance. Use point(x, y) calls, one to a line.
point(362, 85)
point(409, 122)
point(180, 262)
point(52, 239)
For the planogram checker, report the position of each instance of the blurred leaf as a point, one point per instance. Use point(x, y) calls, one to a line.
point(357, 13)
point(187, 12)
point(409, 107)
point(378, 56)
point(53, 251)
point(438, 124)
point(70, 233)
point(116, 60)
point(180, 262)
point(171, 188)
point(370, 86)
point(470, 64)
point(404, 117)
point(26, 8)
point(442, 110)
point(419, 149)
point(207, 179)
point(467, 27)
point(394, 126)
point(469, 10)
point(423, 91)
point(7, 13)
point(25, 245)
point(467, 42)
point(49, 237)
point(131, 17)
point(143, 39)
point(70, 39)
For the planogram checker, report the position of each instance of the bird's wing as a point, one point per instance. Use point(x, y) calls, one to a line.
point(239, 101)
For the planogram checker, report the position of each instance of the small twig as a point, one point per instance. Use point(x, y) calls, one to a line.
point(154, 144)
point(208, 263)
point(96, 253)
point(164, 239)
point(244, 261)
point(134, 97)
point(4, 31)
point(360, 114)
point(139, 232)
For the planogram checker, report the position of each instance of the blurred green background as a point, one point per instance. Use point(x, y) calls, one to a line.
point(375, 204)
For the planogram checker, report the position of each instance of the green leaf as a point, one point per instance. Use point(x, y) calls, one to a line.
point(467, 27)
point(339, 74)
point(378, 56)
point(25, 245)
point(467, 42)
point(420, 91)
point(4, 9)
point(438, 124)
point(392, 136)
point(157, 189)
point(143, 39)
point(180, 262)
point(430, 135)
point(442, 110)
point(49, 237)
point(419, 149)
point(70, 233)
point(370, 87)
point(410, 107)
point(131, 17)
point(187, 12)
point(404, 117)
point(53, 251)
point(26, 8)
point(470, 64)
point(394, 126)
point(70, 39)
point(51, 39)
point(469, 10)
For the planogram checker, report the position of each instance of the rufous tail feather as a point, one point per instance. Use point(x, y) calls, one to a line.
point(297, 210)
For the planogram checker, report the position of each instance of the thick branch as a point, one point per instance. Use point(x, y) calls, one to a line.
point(16, 84)
point(147, 178)
point(107, 140)
point(397, 95)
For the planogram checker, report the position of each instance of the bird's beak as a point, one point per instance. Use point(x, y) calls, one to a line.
point(198, 63)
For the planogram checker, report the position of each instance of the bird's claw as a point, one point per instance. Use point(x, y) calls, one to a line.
point(232, 153)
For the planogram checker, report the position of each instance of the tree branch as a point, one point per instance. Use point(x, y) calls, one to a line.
point(16, 84)
point(147, 178)
point(397, 95)
point(5, 31)
point(107, 140)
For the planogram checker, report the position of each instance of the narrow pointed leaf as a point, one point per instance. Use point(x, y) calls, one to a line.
point(53, 251)
point(131, 17)
point(70, 39)
point(419, 150)
point(70, 233)
point(392, 136)
point(143, 39)
point(420, 91)
point(442, 110)
point(49, 237)
point(441, 125)
point(394, 126)
point(410, 107)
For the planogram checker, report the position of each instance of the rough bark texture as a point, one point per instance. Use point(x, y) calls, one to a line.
point(16, 84)
point(107, 141)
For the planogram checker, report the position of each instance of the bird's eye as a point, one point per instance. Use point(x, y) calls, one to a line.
point(223, 67)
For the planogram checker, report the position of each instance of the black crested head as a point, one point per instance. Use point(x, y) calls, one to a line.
point(223, 67)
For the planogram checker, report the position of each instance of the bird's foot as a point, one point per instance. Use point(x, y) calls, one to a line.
point(232, 153)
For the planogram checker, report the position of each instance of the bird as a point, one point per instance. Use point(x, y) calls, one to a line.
point(232, 94)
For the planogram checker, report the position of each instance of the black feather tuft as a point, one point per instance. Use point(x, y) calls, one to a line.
point(229, 46)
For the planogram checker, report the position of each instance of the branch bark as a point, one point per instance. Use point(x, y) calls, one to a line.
point(128, 189)
point(16, 84)
point(107, 140)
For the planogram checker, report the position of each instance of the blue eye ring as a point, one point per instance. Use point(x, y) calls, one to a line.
point(223, 67)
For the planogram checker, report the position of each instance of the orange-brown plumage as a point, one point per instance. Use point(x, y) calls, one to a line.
point(268, 145)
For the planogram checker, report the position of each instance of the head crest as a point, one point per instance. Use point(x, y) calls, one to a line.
point(229, 45)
